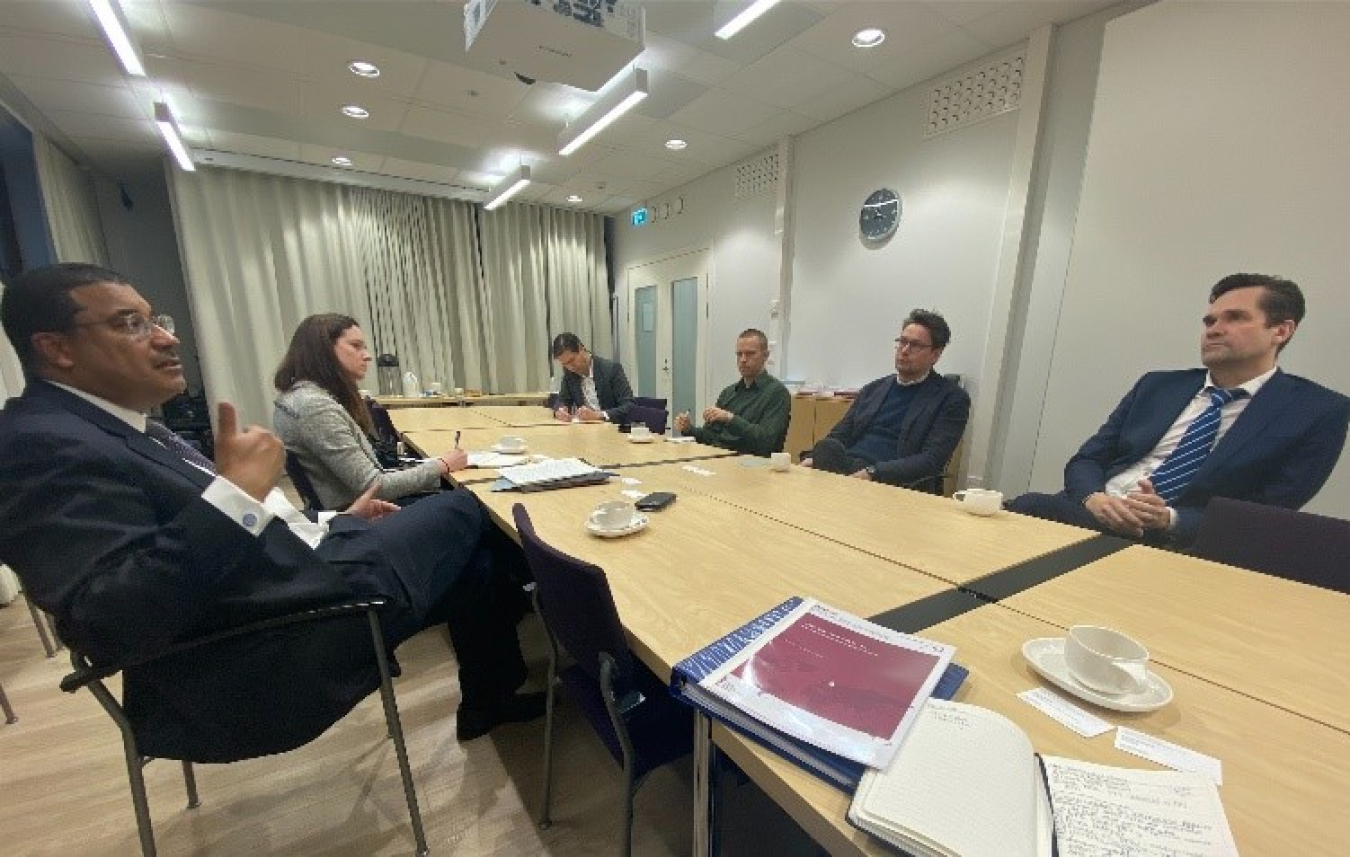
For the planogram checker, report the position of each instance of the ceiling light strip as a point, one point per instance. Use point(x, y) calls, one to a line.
point(604, 112)
point(115, 28)
point(508, 187)
point(747, 16)
point(168, 128)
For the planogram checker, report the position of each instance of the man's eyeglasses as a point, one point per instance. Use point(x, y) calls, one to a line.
point(903, 344)
point(133, 324)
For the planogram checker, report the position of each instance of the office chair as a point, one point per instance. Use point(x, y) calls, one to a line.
point(640, 723)
point(1283, 542)
point(649, 402)
point(384, 426)
point(300, 479)
point(654, 418)
point(229, 719)
point(10, 716)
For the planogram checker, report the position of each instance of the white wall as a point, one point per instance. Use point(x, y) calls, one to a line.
point(143, 248)
point(1220, 142)
point(745, 261)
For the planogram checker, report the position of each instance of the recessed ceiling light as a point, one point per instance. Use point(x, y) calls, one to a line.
point(355, 111)
point(675, 144)
point(361, 68)
point(574, 198)
point(342, 161)
point(868, 38)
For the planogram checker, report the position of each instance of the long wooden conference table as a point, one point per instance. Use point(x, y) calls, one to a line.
point(740, 539)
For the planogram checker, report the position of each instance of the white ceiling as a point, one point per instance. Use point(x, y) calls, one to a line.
point(266, 78)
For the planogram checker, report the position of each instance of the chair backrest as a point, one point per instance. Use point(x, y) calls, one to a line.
point(300, 479)
point(577, 605)
point(650, 402)
point(1294, 545)
point(384, 426)
point(654, 418)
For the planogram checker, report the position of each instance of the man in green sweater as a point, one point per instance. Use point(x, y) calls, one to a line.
point(750, 416)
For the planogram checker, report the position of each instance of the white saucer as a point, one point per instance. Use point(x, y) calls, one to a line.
point(651, 438)
point(1046, 656)
point(639, 523)
point(516, 450)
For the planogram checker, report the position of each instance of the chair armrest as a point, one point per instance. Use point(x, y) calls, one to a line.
point(86, 673)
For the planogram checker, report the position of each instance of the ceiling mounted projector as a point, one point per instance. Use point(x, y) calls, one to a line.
point(581, 43)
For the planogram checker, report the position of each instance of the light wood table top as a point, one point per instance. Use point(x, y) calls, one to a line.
point(1282, 642)
point(451, 400)
point(444, 419)
point(598, 443)
point(1284, 778)
point(916, 529)
point(702, 568)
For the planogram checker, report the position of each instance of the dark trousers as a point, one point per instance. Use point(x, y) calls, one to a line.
point(447, 562)
point(1056, 507)
point(831, 456)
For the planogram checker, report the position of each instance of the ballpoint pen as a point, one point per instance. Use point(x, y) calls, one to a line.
point(457, 440)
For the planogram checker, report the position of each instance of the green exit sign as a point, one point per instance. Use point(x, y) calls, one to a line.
point(640, 217)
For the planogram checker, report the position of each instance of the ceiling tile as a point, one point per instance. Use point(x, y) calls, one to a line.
point(116, 100)
point(470, 91)
point(104, 127)
point(58, 58)
point(786, 77)
point(907, 25)
point(249, 144)
point(248, 87)
point(782, 124)
point(965, 11)
point(326, 57)
point(856, 93)
point(937, 57)
point(1014, 22)
point(724, 112)
point(324, 101)
point(49, 16)
point(204, 32)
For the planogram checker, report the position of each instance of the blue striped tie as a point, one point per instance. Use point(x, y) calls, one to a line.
point(1170, 479)
point(175, 444)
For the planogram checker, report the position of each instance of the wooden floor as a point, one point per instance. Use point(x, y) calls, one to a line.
point(63, 787)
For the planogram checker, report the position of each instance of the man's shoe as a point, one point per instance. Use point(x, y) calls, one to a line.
point(476, 722)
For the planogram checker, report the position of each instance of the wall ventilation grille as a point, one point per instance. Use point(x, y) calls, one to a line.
point(757, 176)
point(988, 91)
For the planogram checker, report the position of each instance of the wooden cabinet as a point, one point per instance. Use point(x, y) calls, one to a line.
point(811, 419)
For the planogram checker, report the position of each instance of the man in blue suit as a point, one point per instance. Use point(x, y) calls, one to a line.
point(1243, 429)
point(135, 544)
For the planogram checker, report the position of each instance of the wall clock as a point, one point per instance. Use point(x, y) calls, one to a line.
point(880, 215)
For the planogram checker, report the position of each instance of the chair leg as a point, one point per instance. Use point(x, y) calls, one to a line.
point(41, 627)
point(138, 800)
point(190, 784)
point(10, 716)
point(549, 705)
point(395, 726)
point(630, 787)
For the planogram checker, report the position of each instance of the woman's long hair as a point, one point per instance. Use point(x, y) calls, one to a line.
point(311, 357)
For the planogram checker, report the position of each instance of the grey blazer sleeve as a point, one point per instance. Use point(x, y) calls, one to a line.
point(338, 457)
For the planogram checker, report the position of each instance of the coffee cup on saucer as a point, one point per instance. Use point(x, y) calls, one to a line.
point(979, 501)
point(640, 431)
point(1105, 660)
point(511, 443)
point(614, 515)
point(435, 388)
point(780, 461)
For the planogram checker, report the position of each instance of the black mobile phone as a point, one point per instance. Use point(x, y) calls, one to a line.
point(656, 501)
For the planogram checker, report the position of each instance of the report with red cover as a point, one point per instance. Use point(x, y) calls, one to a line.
point(829, 678)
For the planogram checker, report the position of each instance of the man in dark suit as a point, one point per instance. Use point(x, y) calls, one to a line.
point(1243, 429)
point(134, 544)
point(902, 428)
point(596, 388)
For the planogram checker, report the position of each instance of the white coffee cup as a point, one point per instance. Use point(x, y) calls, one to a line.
point(979, 501)
point(511, 443)
point(1106, 660)
point(780, 461)
point(459, 391)
point(640, 430)
point(435, 388)
point(365, 394)
point(614, 514)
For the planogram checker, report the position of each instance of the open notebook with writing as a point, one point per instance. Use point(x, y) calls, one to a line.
point(549, 474)
point(967, 783)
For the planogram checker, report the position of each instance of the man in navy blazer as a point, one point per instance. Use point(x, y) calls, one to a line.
point(902, 428)
point(132, 548)
point(1277, 440)
point(597, 388)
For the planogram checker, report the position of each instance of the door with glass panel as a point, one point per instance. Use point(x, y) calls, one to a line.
point(667, 308)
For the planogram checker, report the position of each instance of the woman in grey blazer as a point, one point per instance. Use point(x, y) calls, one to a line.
point(321, 417)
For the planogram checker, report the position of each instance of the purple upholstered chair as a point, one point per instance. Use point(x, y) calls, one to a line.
point(1294, 545)
point(640, 723)
point(654, 418)
point(650, 402)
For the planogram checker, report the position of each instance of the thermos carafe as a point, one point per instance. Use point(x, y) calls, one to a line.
point(387, 370)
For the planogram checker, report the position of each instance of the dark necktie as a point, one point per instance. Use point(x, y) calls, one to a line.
point(1172, 477)
point(178, 446)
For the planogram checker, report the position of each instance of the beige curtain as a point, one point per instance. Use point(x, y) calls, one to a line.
point(71, 206)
